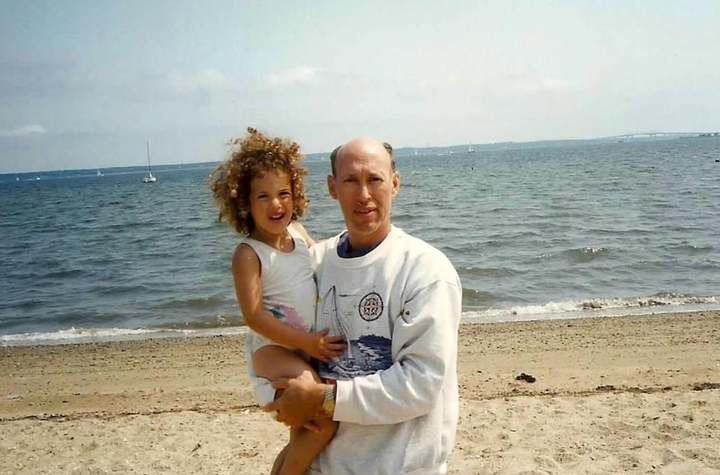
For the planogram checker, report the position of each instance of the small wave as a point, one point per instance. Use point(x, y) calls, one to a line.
point(122, 289)
point(88, 335)
point(585, 254)
point(475, 297)
point(498, 209)
point(62, 274)
point(690, 248)
point(124, 227)
point(71, 335)
point(214, 322)
point(486, 271)
point(31, 304)
point(403, 216)
point(634, 232)
point(200, 303)
point(688, 230)
point(656, 300)
point(590, 307)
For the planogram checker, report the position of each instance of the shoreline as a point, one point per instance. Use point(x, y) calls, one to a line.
point(636, 393)
point(73, 336)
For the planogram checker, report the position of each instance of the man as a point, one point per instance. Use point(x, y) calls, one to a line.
point(397, 300)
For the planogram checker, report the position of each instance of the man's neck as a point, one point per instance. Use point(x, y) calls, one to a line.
point(346, 250)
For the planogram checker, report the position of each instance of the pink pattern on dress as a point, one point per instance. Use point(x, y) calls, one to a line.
point(287, 314)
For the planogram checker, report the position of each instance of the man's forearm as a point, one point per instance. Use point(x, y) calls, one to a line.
point(301, 399)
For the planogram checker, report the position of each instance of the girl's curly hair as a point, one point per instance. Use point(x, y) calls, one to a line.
point(250, 157)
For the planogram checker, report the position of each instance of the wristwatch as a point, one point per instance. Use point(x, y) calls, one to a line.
point(328, 405)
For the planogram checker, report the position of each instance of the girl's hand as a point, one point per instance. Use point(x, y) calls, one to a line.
point(323, 347)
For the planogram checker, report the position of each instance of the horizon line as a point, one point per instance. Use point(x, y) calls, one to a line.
point(630, 136)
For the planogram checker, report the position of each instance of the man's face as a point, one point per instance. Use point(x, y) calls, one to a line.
point(365, 185)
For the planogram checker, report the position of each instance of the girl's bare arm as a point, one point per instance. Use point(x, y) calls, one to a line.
point(248, 289)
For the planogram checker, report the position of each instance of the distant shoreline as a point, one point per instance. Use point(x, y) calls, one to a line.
point(404, 151)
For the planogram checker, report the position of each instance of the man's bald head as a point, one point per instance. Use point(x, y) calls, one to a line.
point(361, 144)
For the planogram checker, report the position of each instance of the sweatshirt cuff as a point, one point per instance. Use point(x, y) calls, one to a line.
point(345, 410)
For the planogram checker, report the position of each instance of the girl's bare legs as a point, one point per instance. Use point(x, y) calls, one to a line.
point(277, 465)
point(273, 362)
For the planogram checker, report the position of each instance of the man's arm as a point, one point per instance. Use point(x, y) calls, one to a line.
point(303, 233)
point(424, 349)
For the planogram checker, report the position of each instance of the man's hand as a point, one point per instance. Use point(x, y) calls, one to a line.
point(301, 400)
point(323, 347)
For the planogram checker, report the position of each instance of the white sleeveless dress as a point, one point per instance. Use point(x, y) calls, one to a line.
point(288, 286)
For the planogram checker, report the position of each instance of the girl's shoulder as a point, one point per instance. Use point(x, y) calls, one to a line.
point(246, 263)
point(244, 252)
point(297, 230)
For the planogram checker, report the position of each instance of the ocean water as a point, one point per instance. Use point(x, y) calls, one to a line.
point(586, 229)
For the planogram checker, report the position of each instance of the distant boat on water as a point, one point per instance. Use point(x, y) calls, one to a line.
point(470, 149)
point(99, 173)
point(149, 178)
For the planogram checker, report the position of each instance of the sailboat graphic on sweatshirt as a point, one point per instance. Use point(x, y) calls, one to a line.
point(368, 336)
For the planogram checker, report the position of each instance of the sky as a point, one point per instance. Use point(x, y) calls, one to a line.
point(84, 84)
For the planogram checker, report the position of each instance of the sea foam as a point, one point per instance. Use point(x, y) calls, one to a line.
point(658, 303)
point(91, 335)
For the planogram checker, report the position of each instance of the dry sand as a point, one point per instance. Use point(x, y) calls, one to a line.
point(612, 395)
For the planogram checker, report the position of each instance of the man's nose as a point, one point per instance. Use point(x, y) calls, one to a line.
point(363, 192)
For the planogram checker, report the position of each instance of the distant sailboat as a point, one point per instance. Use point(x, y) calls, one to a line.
point(149, 178)
point(99, 173)
point(470, 149)
point(416, 152)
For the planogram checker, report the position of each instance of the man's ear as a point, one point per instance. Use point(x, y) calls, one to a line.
point(331, 186)
point(395, 183)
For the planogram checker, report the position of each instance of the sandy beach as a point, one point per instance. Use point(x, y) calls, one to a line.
point(610, 395)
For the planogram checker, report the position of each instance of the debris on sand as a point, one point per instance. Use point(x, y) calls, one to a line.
point(525, 377)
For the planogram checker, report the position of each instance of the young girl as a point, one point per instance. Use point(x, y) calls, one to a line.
point(260, 192)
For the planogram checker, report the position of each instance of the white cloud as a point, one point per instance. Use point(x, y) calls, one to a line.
point(25, 131)
point(302, 75)
point(208, 80)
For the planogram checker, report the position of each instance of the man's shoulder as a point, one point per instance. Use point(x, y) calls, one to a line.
point(321, 248)
point(416, 247)
point(424, 255)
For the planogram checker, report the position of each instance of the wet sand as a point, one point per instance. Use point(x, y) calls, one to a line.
point(610, 395)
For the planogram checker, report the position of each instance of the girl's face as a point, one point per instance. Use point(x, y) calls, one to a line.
point(271, 203)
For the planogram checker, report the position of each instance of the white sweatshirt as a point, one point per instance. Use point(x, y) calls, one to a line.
point(397, 394)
